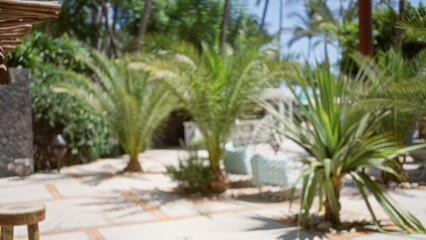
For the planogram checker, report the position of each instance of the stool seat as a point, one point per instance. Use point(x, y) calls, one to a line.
point(21, 214)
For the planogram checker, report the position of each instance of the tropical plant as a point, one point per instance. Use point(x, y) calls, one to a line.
point(125, 96)
point(342, 139)
point(397, 85)
point(192, 173)
point(308, 29)
point(386, 24)
point(215, 89)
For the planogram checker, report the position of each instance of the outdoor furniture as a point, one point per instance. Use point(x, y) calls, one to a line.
point(21, 214)
point(271, 172)
point(235, 160)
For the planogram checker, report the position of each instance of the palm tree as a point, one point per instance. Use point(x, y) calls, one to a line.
point(396, 85)
point(131, 103)
point(307, 30)
point(215, 89)
point(342, 139)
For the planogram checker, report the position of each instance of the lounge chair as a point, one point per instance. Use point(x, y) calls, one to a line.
point(236, 161)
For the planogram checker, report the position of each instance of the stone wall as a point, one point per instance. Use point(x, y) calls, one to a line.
point(16, 135)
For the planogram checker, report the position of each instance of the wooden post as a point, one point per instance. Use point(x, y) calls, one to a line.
point(365, 28)
point(4, 75)
point(33, 232)
point(6, 232)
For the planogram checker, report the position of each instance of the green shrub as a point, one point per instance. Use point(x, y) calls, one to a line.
point(86, 132)
point(48, 58)
point(192, 175)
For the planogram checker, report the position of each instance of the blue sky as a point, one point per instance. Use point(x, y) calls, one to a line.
point(293, 6)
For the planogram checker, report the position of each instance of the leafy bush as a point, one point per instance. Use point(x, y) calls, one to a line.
point(48, 58)
point(192, 174)
point(85, 131)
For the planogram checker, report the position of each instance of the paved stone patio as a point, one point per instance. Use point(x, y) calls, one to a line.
point(90, 202)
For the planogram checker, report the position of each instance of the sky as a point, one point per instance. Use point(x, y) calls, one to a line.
point(296, 6)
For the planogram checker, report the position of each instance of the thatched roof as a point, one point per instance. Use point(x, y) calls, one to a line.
point(16, 20)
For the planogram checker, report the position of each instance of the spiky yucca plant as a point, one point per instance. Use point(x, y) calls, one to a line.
point(343, 140)
point(132, 104)
point(214, 88)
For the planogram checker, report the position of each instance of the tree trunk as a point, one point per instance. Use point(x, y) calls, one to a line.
point(224, 26)
point(112, 48)
point(262, 23)
point(365, 28)
point(334, 218)
point(400, 31)
point(133, 165)
point(143, 25)
point(219, 183)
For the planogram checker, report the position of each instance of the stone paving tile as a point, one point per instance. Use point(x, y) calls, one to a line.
point(78, 213)
point(39, 178)
point(136, 182)
point(378, 236)
point(248, 226)
point(24, 194)
point(76, 189)
point(62, 236)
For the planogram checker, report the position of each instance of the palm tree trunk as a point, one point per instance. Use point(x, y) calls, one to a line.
point(224, 26)
point(143, 25)
point(262, 23)
point(133, 165)
point(219, 182)
point(334, 218)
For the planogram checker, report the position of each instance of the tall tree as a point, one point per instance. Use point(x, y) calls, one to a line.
point(400, 31)
point(111, 45)
point(308, 29)
point(224, 26)
point(143, 25)
point(265, 11)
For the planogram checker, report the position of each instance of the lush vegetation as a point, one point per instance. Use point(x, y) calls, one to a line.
point(125, 65)
point(85, 132)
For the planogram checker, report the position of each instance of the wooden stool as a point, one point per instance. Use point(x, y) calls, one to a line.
point(21, 214)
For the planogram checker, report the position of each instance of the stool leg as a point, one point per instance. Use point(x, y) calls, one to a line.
point(6, 232)
point(33, 233)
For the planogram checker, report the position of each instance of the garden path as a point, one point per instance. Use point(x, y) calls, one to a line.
point(90, 202)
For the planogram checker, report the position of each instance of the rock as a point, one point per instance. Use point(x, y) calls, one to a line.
point(323, 226)
point(414, 185)
point(352, 230)
point(333, 231)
